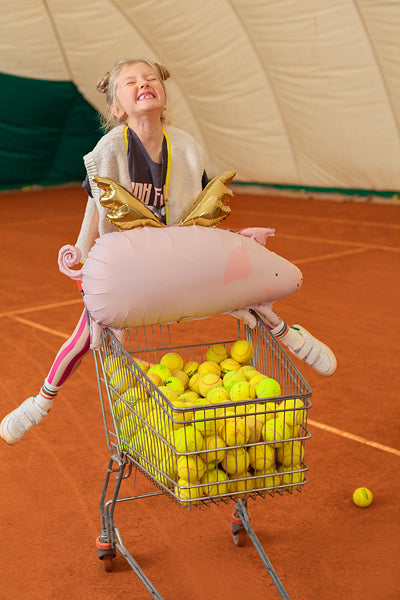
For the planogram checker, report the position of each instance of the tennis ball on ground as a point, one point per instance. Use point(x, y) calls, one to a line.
point(208, 382)
point(112, 363)
point(122, 379)
point(235, 432)
point(362, 497)
point(172, 360)
point(218, 394)
point(229, 364)
point(217, 482)
point(175, 384)
point(232, 377)
point(262, 457)
point(267, 388)
point(240, 482)
point(188, 439)
point(242, 351)
point(187, 493)
point(215, 448)
point(242, 390)
point(209, 366)
point(191, 468)
point(236, 460)
point(160, 370)
point(217, 353)
point(290, 454)
point(190, 368)
point(276, 431)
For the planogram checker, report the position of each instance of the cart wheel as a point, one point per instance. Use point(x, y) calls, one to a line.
point(240, 537)
point(107, 562)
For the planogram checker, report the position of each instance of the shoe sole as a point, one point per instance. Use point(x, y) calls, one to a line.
point(326, 348)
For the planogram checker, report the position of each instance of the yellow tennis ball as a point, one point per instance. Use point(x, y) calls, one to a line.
point(208, 382)
point(217, 395)
point(122, 379)
point(267, 481)
point(229, 364)
point(235, 432)
point(168, 474)
point(217, 353)
point(362, 497)
point(254, 426)
point(172, 360)
point(276, 431)
point(293, 411)
point(182, 376)
point(175, 384)
point(216, 481)
point(242, 351)
point(249, 372)
point(290, 454)
point(205, 421)
point(161, 370)
point(236, 460)
point(189, 396)
point(209, 366)
point(215, 448)
point(291, 480)
point(112, 363)
point(187, 493)
point(267, 388)
point(242, 390)
point(182, 415)
point(191, 468)
point(169, 393)
point(232, 377)
point(194, 382)
point(154, 378)
point(188, 439)
point(240, 484)
point(120, 409)
point(190, 368)
point(262, 457)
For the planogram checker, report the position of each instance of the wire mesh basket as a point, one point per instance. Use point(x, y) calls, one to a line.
point(195, 447)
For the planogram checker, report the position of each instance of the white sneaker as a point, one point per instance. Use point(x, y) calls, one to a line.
point(306, 347)
point(14, 425)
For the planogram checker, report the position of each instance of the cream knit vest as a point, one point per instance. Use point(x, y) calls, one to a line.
point(109, 159)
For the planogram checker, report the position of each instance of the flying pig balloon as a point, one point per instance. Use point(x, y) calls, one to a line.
point(175, 274)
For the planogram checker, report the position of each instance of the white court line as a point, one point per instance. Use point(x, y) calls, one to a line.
point(23, 311)
point(354, 438)
point(41, 327)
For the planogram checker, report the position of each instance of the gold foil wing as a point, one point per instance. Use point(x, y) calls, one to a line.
point(209, 208)
point(125, 210)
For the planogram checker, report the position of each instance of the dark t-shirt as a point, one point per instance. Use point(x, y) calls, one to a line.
point(147, 177)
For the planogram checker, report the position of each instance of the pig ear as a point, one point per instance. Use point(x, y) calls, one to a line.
point(259, 234)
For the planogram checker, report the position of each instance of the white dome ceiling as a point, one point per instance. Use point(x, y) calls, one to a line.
point(303, 93)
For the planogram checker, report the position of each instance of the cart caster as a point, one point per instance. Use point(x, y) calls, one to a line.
point(106, 553)
point(239, 533)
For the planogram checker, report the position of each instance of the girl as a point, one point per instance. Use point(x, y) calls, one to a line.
point(165, 168)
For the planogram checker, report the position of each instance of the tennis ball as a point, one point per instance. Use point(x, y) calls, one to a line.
point(229, 364)
point(190, 368)
point(188, 494)
point(208, 382)
point(290, 454)
point(240, 482)
point(293, 481)
point(188, 439)
point(120, 409)
point(172, 360)
point(266, 411)
point(236, 460)
point(223, 415)
point(182, 415)
point(134, 395)
point(242, 390)
point(262, 457)
point(182, 376)
point(175, 384)
point(217, 482)
point(122, 379)
point(275, 431)
point(215, 448)
point(294, 411)
point(267, 388)
point(217, 395)
point(154, 378)
point(362, 497)
point(189, 396)
point(112, 363)
point(242, 351)
point(254, 426)
point(194, 382)
point(168, 474)
point(249, 372)
point(209, 366)
point(232, 377)
point(161, 370)
point(217, 353)
point(190, 468)
point(235, 432)
point(205, 421)
point(127, 427)
point(169, 393)
point(267, 480)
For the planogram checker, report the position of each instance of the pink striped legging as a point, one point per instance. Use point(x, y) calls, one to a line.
point(70, 354)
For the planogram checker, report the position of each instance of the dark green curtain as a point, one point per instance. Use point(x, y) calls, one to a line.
point(45, 129)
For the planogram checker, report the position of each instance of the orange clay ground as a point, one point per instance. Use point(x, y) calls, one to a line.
point(321, 545)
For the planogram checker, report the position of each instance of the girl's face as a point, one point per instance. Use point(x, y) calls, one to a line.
point(139, 92)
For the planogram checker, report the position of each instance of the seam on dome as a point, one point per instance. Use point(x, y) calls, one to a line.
point(278, 105)
point(58, 38)
point(378, 65)
point(151, 45)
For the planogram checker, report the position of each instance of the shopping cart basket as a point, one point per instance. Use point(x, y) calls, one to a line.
point(194, 452)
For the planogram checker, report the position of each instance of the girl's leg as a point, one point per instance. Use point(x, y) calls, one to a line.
point(14, 426)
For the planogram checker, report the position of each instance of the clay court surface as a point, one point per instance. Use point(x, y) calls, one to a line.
point(321, 545)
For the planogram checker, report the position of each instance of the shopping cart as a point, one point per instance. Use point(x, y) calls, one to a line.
point(147, 431)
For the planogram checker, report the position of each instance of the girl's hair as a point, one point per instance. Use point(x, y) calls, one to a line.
point(108, 85)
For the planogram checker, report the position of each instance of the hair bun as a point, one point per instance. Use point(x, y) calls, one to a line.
point(102, 84)
point(163, 71)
